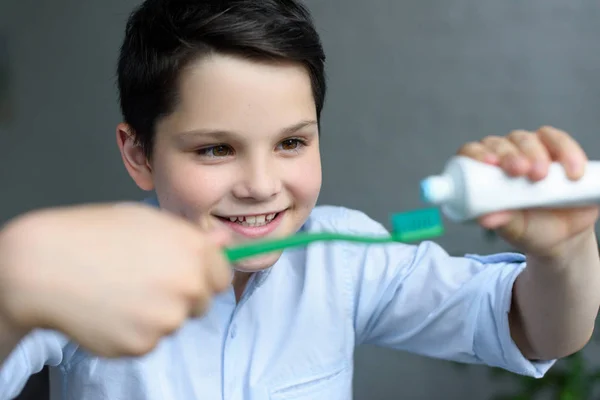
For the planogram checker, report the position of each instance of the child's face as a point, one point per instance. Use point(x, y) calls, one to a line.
point(241, 151)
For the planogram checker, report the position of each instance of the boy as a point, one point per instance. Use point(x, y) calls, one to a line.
point(221, 102)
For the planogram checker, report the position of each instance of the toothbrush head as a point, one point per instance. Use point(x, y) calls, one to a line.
point(417, 225)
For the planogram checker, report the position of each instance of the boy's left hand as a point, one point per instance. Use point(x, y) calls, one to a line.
point(544, 233)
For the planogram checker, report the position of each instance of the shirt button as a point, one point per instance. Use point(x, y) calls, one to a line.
point(233, 331)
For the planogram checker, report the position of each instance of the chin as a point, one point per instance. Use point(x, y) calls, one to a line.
point(258, 263)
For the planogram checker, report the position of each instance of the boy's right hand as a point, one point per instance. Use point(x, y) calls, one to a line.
point(115, 279)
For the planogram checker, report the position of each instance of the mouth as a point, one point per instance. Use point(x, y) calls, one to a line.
point(252, 220)
point(253, 226)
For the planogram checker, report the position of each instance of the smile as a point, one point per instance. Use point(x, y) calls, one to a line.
point(254, 220)
point(253, 226)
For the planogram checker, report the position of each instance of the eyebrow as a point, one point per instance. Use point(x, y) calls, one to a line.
point(225, 134)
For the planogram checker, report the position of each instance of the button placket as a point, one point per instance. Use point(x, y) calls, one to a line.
point(234, 348)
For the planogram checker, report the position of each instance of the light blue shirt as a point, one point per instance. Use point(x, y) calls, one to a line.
point(293, 334)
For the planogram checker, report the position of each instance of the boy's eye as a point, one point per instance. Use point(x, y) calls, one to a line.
point(291, 144)
point(221, 151)
point(216, 151)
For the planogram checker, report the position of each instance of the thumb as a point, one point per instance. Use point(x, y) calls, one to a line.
point(220, 272)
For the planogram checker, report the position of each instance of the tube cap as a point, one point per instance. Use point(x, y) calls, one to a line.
point(436, 189)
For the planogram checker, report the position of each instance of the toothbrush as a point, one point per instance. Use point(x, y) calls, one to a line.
point(411, 226)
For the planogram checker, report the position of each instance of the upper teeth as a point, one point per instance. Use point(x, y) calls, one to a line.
point(253, 219)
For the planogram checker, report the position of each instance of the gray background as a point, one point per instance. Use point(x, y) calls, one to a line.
point(410, 81)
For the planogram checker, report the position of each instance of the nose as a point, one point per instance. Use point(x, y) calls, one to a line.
point(259, 181)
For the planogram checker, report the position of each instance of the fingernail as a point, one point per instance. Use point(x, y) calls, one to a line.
point(575, 168)
point(490, 158)
point(523, 162)
point(539, 168)
point(513, 163)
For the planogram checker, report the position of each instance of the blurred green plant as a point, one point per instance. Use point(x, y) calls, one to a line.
point(574, 379)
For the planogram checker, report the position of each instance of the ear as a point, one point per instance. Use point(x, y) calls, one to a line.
point(134, 158)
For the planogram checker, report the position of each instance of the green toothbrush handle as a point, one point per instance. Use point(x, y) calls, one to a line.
point(239, 252)
point(407, 227)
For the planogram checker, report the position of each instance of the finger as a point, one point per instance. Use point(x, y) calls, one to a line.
point(219, 273)
point(220, 237)
point(564, 149)
point(167, 315)
point(511, 159)
point(203, 292)
point(496, 220)
point(530, 145)
point(479, 152)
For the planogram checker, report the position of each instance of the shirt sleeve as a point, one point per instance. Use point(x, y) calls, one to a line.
point(36, 350)
point(422, 300)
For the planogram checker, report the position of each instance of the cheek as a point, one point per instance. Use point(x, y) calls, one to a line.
point(192, 189)
point(304, 179)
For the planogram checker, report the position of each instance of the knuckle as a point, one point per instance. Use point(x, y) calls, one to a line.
point(174, 319)
point(499, 145)
point(491, 139)
point(166, 316)
point(469, 148)
point(547, 129)
point(554, 134)
point(528, 142)
point(520, 135)
point(140, 344)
